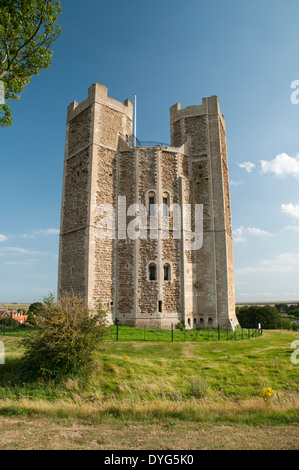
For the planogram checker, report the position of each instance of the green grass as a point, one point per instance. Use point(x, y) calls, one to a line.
point(18, 332)
point(149, 380)
point(127, 333)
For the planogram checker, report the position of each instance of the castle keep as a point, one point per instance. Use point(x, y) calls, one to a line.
point(147, 280)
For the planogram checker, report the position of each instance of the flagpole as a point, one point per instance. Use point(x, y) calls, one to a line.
point(135, 123)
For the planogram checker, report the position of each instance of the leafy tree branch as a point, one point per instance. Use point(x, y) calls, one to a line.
point(28, 28)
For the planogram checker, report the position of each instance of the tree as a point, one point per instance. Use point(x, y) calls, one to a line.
point(294, 313)
point(269, 317)
point(293, 307)
point(68, 333)
point(250, 316)
point(28, 28)
point(21, 310)
point(282, 308)
point(9, 321)
point(31, 318)
point(36, 308)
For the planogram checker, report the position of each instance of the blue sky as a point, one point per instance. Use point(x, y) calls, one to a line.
point(164, 51)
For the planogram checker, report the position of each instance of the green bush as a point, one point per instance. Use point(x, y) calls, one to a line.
point(197, 387)
point(8, 321)
point(36, 308)
point(67, 335)
point(286, 324)
point(294, 313)
point(250, 316)
point(31, 318)
point(180, 326)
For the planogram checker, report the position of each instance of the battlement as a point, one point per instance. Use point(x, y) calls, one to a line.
point(98, 93)
point(209, 106)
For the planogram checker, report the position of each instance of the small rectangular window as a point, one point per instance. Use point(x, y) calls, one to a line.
point(165, 207)
point(152, 273)
point(160, 306)
point(166, 273)
point(151, 206)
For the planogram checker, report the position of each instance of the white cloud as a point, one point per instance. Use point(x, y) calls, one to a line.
point(293, 228)
point(291, 209)
point(282, 166)
point(248, 166)
point(284, 262)
point(285, 259)
point(49, 231)
point(258, 294)
point(258, 232)
point(239, 234)
point(235, 183)
point(25, 235)
point(25, 251)
point(3, 238)
point(17, 263)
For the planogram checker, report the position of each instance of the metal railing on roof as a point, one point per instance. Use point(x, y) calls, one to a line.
point(137, 143)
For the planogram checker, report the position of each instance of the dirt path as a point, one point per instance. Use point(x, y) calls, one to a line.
point(40, 434)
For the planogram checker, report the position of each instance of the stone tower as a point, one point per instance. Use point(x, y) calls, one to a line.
point(123, 236)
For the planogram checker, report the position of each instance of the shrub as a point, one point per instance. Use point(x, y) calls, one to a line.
point(286, 324)
point(294, 313)
point(31, 318)
point(8, 321)
point(250, 316)
point(67, 335)
point(197, 387)
point(36, 308)
point(180, 326)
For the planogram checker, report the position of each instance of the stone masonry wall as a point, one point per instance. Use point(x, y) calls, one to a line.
point(100, 166)
point(75, 200)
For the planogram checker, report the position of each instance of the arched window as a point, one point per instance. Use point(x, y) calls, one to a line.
point(210, 322)
point(152, 272)
point(194, 323)
point(201, 323)
point(151, 203)
point(189, 322)
point(166, 272)
point(166, 205)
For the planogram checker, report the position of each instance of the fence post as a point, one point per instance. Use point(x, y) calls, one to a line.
point(227, 333)
point(172, 332)
point(117, 331)
point(144, 334)
point(248, 333)
point(218, 332)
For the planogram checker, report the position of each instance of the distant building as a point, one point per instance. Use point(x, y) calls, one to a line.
point(19, 317)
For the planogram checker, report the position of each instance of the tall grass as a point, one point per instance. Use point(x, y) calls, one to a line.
point(149, 380)
point(250, 412)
